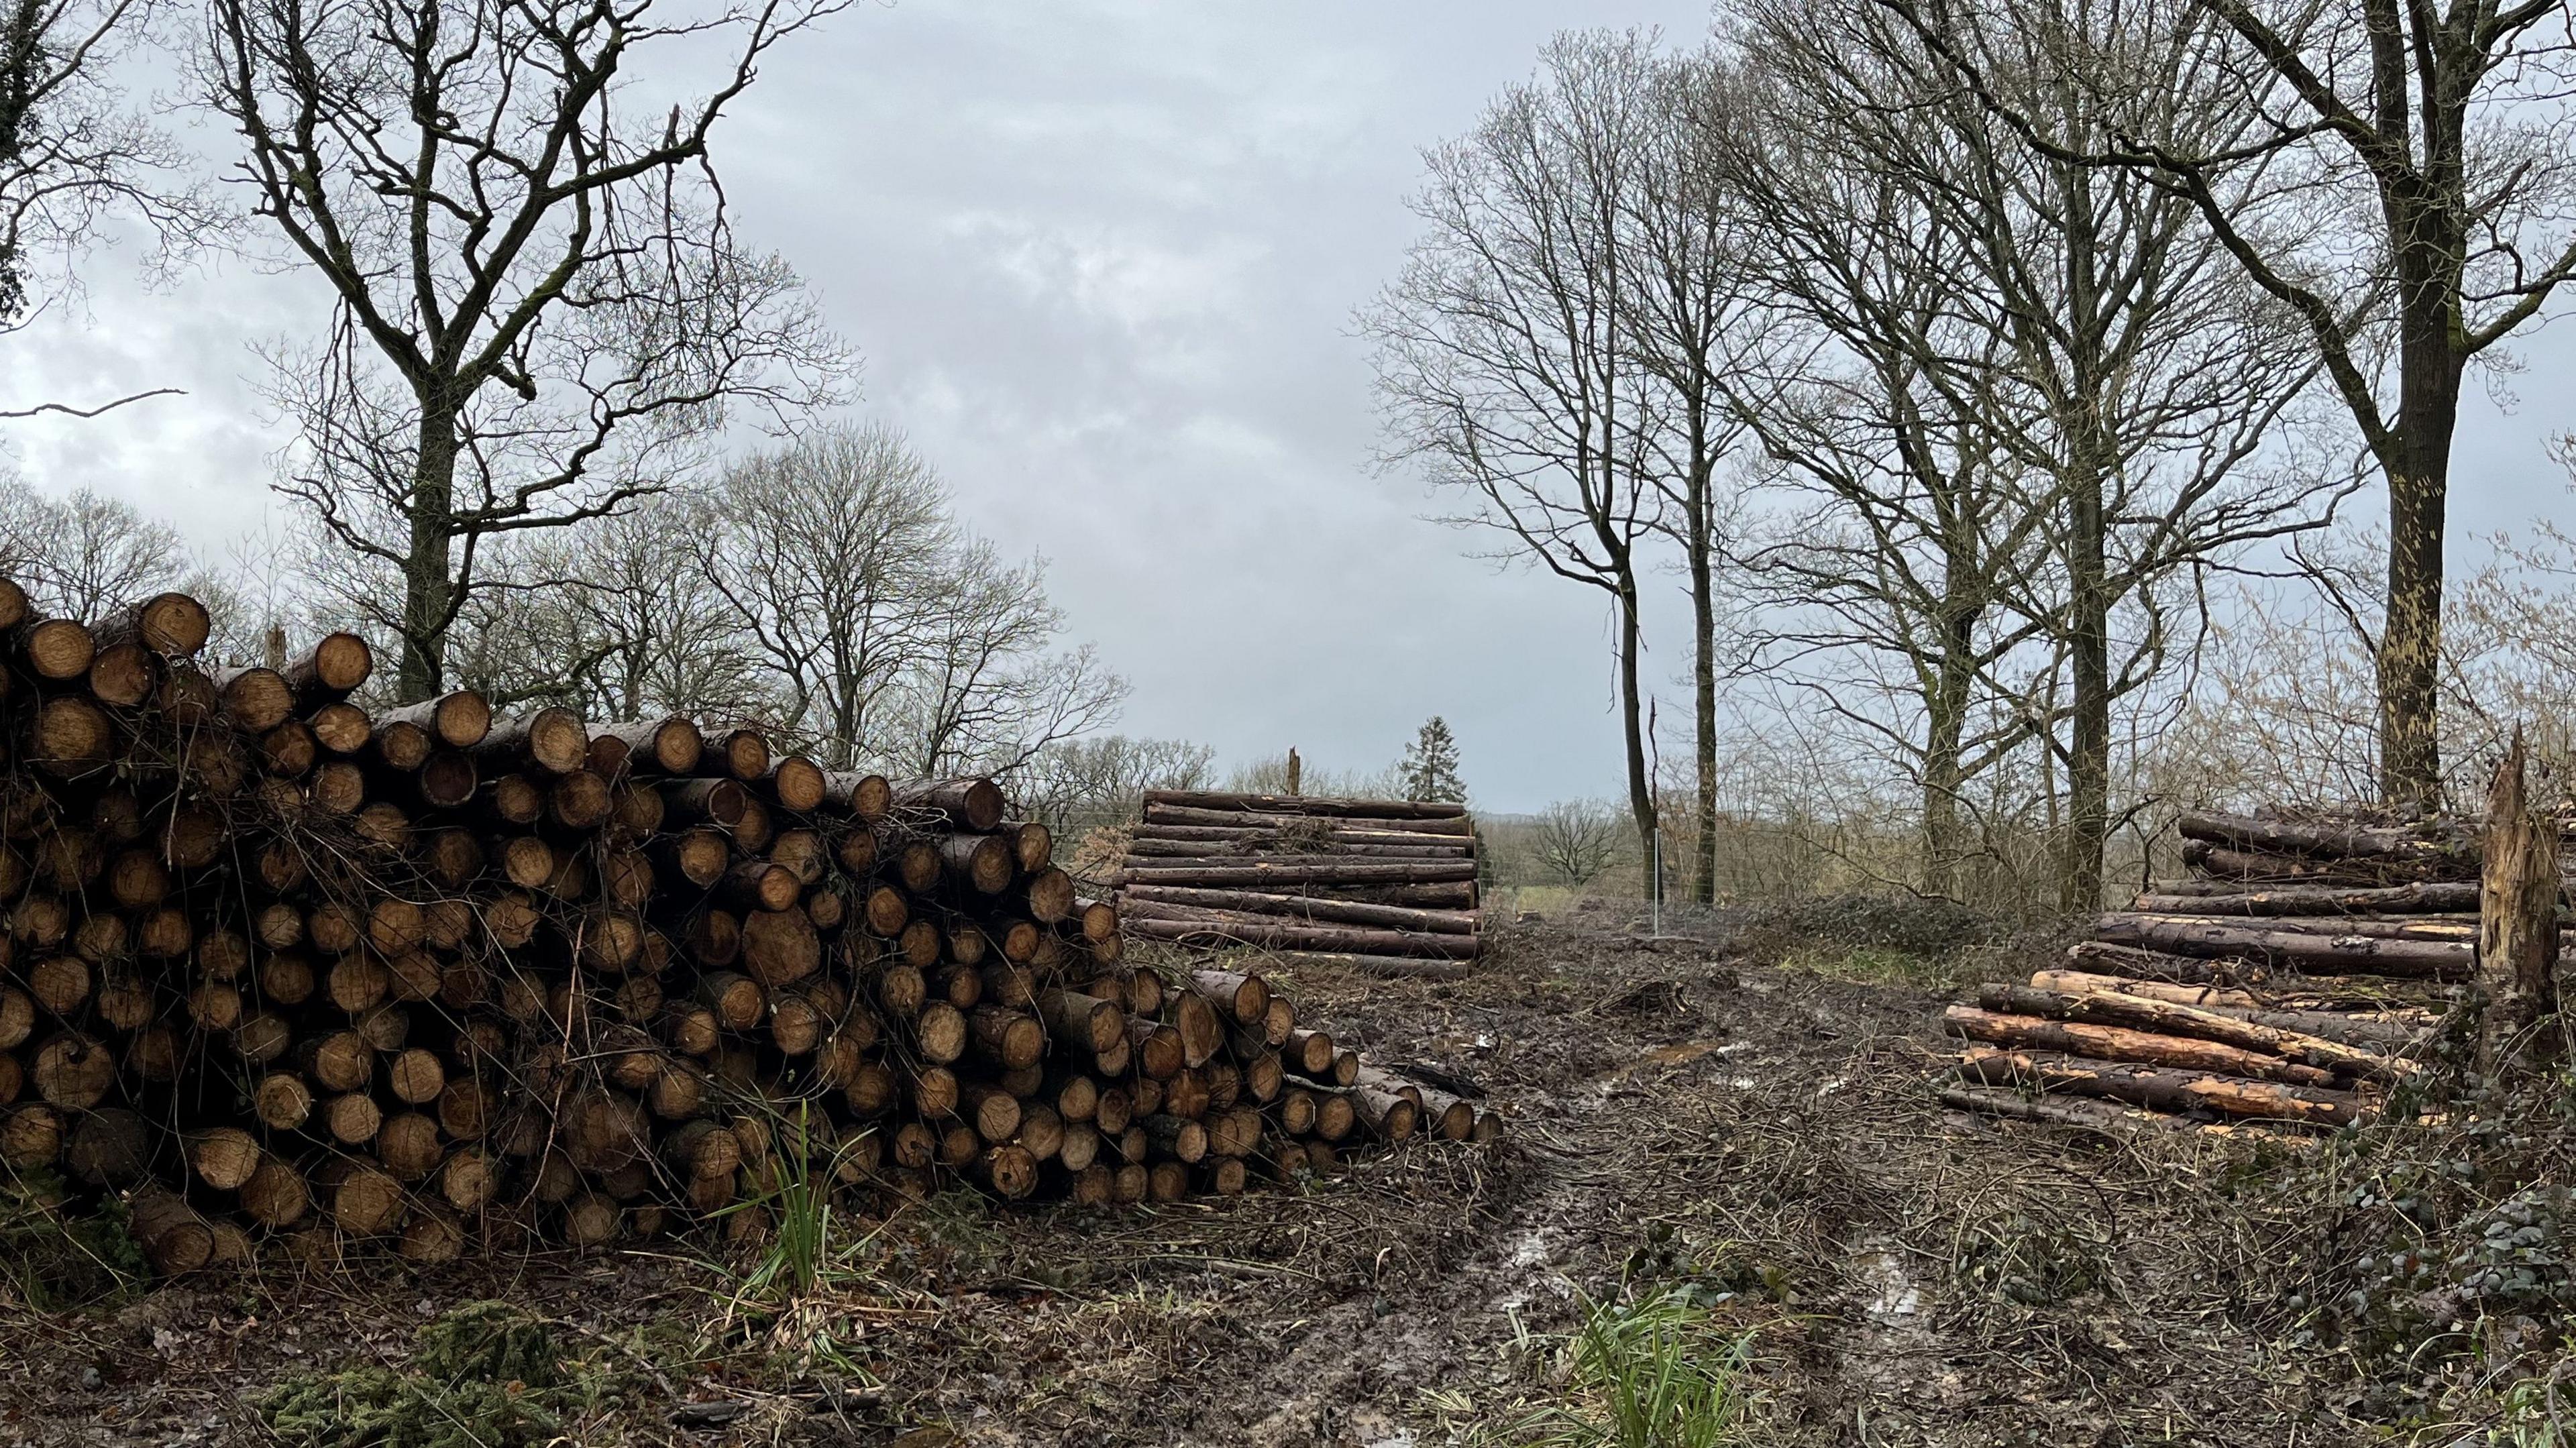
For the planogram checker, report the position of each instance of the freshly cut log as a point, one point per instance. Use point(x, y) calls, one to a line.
point(740, 754)
point(337, 664)
point(2313, 954)
point(276, 1196)
point(1176, 853)
point(867, 796)
point(1372, 872)
point(1308, 907)
point(2162, 1089)
point(1083, 1024)
point(797, 783)
point(1301, 804)
point(341, 728)
point(1386, 1115)
point(2119, 1043)
point(1049, 896)
point(1008, 1171)
point(56, 649)
point(460, 719)
point(717, 802)
point(1457, 828)
point(2428, 844)
point(1244, 999)
point(255, 699)
point(2063, 1111)
point(2131, 961)
point(1190, 926)
point(669, 746)
point(173, 1237)
point(984, 863)
point(2429, 898)
point(2369, 1028)
point(2168, 1018)
point(2247, 867)
point(549, 739)
point(165, 623)
point(2207, 997)
point(973, 805)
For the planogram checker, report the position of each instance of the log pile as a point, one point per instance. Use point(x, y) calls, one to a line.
point(278, 964)
point(2287, 980)
point(1387, 886)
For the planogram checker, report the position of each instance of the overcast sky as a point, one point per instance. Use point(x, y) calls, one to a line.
point(1100, 260)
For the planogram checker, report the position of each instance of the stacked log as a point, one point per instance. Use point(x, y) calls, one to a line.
point(2287, 980)
point(1385, 886)
point(440, 976)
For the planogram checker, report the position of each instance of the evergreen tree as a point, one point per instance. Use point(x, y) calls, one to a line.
point(1430, 767)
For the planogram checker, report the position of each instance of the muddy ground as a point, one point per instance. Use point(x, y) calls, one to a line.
point(1740, 1120)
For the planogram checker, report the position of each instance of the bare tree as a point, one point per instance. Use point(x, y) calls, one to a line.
point(879, 629)
point(1693, 325)
point(81, 555)
point(1085, 784)
point(2136, 373)
point(988, 686)
point(1899, 521)
point(540, 308)
point(76, 150)
point(1504, 351)
point(639, 628)
point(2413, 203)
point(1575, 840)
point(830, 554)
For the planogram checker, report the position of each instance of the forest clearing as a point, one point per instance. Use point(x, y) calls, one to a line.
point(1749, 1136)
point(1852, 723)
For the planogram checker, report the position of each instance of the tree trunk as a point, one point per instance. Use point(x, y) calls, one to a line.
point(2121, 1043)
point(1641, 791)
point(2429, 242)
point(2088, 761)
point(1703, 662)
point(2161, 1089)
point(1945, 721)
point(2517, 919)
point(427, 580)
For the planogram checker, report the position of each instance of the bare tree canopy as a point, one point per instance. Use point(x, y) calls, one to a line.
point(2405, 188)
point(77, 152)
point(81, 555)
point(1503, 351)
point(883, 631)
point(541, 311)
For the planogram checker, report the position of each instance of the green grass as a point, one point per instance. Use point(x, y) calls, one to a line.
point(1652, 1373)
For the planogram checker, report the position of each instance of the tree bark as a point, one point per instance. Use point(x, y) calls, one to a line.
point(2160, 1089)
point(1306, 804)
point(2428, 898)
point(2517, 921)
point(1307, 907)
point(2119, 1043)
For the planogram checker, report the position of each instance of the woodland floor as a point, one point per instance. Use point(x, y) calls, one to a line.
point(1745, 1120)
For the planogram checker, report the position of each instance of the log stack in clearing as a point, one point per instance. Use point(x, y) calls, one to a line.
point(443, 977)
point(1386, 885)
point(2287, 980)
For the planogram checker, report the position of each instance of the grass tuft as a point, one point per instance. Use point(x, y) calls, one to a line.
point(1649, 1373)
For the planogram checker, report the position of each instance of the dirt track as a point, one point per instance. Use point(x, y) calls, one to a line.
point(1761, 1136)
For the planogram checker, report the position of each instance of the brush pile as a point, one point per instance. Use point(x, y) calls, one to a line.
point(2286, 981)
point(278, 964)
point(1386, 885)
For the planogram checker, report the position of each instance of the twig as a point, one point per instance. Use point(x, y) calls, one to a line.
point(104, 407)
